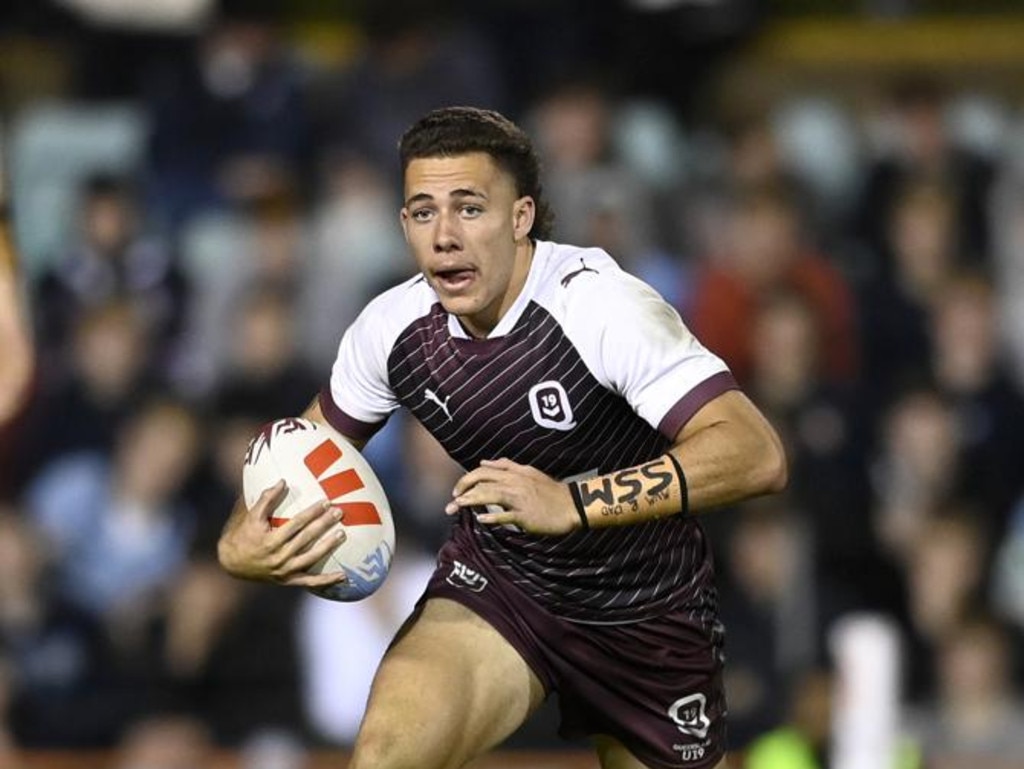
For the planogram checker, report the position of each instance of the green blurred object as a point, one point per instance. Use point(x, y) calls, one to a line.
point(787, 748)
point(784, 748)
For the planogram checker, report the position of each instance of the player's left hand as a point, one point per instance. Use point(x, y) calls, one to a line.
point(531, 500)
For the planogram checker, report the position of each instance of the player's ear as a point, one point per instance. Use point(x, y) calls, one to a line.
point(523, 212)
point(403, 218)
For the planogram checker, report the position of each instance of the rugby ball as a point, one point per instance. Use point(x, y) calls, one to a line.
point(317, 463)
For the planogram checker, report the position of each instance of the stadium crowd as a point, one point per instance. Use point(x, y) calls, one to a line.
point(201, 221)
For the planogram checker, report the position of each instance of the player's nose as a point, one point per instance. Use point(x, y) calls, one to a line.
point(446, 234)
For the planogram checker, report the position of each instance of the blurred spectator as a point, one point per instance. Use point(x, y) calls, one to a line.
point(916, 468)
point(822, 426)
point(755, 158)
point(945, 574)
point(119, 531)
point(416, 58)
point(971, 371)
point(112, 259)
point(82, 408)
point(917, 146)
point(976, 718)
point(264, 376)
point(743, 154)
point(767, 250)
point(771, 614)
point(896, 304)
point(264, 245)
point(230, 122)
point(165, 742)
point(357, 248)
point(116, 522)
point(52, 647)
point(601, 201)
point(232, 654)
point(573, 125)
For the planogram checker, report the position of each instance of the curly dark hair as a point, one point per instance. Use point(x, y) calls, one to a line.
point(460, 130)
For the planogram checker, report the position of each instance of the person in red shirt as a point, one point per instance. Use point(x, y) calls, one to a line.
point(767, 251)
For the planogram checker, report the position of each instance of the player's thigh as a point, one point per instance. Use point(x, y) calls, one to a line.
point(451, 688)
point(614, 755)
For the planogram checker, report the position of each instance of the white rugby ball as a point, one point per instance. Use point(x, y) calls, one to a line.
point(318, 463)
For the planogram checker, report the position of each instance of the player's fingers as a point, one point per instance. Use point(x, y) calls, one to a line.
point(317, 551)
point(298, 523)
point(483, 493)
point(268, 500)
point(503, 463)
point(311, 533)
point(476, 477)
point(498, 518)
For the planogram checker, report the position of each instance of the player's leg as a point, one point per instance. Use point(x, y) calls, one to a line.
point(451, 688)
point(614, 755)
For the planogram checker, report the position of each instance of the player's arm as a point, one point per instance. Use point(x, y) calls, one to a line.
point(15, 340)
point(725, 453)
point(249, 548)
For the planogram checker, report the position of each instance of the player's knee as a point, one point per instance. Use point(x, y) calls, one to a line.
point(387, 749)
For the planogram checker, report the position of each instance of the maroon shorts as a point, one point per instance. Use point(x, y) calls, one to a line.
point(654, 685)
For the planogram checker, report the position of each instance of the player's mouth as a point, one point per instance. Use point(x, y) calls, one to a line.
point(455, 279)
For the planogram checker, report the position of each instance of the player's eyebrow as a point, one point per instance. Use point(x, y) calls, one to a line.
point(461, 192)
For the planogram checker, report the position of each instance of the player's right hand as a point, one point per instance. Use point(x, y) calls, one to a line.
point(250, 548)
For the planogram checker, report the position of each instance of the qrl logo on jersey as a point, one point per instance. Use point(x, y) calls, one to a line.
point(549, 403)
point(337, 485)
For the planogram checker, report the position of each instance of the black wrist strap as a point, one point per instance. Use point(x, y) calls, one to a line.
point(683, 488)
point(577, 500)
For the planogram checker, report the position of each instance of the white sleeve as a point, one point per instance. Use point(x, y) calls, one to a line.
point(637, 345)
point(359, 389)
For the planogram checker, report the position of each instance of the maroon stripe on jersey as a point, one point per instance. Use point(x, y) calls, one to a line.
point(694, 401)
point(348, 426)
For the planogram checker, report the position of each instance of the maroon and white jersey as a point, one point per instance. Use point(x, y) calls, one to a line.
point(588, 372)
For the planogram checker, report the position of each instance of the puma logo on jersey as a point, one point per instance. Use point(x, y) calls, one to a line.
point(430, 395)
point(583, 268)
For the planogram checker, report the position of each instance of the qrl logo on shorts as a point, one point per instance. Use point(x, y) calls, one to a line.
point(549, 404)
point(689, 715)
point(463, 576)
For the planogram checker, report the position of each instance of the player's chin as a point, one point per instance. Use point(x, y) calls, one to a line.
point(459, 305)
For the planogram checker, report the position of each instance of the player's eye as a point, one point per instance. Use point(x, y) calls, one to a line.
point(421, 215)
point(471, 211)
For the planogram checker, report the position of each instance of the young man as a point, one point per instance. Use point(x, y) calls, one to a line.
point(593, 426)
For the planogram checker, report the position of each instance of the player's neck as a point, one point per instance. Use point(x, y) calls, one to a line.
point(481, 326)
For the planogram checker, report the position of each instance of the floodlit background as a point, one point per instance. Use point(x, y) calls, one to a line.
point(830, 193)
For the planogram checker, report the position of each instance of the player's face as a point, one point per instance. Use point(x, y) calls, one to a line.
point(469, 234)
